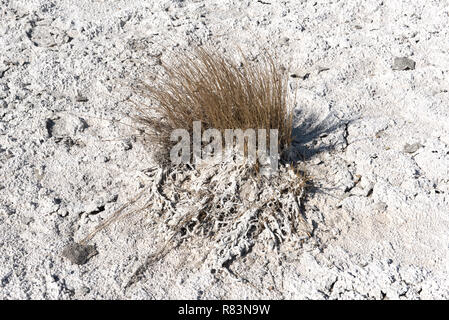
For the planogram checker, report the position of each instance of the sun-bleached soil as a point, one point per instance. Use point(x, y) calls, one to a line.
point(374, 137)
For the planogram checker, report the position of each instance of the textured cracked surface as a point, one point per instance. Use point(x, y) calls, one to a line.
point(375, 142)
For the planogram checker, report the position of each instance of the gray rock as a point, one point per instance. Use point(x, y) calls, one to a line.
point(403, 63)
point(411, 148)
point(78, 253)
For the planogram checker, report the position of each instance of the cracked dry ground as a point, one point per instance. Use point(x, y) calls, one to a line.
point(374, 139)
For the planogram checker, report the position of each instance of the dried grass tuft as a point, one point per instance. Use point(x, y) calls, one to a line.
point(210, 87)
point(225, 203)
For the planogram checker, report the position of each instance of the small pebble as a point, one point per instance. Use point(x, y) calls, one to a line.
point(412, 148)
point(403, 63)
point(78, 253)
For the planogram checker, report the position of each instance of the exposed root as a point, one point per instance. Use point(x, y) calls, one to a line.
point(230, 205)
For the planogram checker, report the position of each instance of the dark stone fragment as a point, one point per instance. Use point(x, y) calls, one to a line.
point(78, 253)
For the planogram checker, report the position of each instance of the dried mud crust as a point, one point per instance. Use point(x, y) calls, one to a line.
point(66, 164)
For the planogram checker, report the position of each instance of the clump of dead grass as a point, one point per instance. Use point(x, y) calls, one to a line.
point(205, 85)
point(225, 203)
